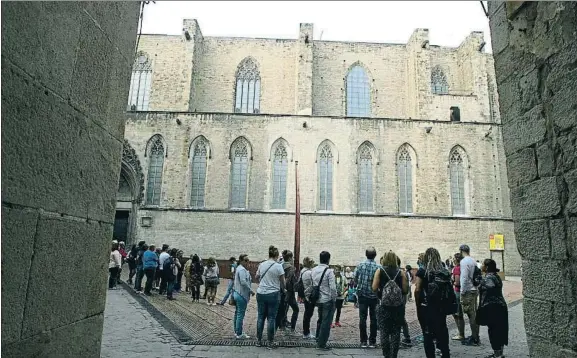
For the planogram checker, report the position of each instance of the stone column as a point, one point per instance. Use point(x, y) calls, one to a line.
point(66, 70)
point(536, 69)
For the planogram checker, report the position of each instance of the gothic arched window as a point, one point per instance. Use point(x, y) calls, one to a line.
point(155, 165)
point(279, 175)
point(358, 93)
point(140, 82)
point(325, 159)
point(199, 160)
point(457, 177)
point(405, 177)
point(247, 93)
point(239, 155)
point(365, 167)
point(439, 83)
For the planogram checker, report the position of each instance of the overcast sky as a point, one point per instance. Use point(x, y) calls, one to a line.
point(449, 22)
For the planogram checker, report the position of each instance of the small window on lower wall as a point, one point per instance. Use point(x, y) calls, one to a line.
point(146, 221)
point(455, 114)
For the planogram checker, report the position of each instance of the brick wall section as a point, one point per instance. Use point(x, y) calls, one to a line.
point(535, 57)
point(65, 79)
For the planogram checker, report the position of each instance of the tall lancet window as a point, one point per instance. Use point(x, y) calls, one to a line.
point(405, 177)
point(439, 83)
point(457, 173)
point(155, 166)
point(199, 157)
point(279, 174)
point(239, 173)
point(139, 95)
point(365, 168)
point(358, 93)
point(325, 177)
point(247, 93)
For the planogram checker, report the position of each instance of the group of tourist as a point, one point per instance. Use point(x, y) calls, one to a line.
point(380, 291)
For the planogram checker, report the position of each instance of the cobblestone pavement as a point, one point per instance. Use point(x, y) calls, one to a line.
point(212, 325)
point(131, 331)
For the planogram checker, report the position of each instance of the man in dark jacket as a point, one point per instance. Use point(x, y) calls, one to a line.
point(139, 267)
point(288, 299)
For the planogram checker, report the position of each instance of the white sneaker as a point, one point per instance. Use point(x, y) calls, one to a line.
point(208, 303)
point(242, 336)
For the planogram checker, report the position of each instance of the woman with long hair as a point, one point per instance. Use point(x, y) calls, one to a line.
point(196, 271)
point(241, 292)
point(430, 312)
point(211, 280)
point(270, 275)
point(114, 263)
point(492, 310)
point(391, 312)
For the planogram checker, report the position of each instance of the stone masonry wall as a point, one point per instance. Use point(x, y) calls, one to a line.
point(65, 76)
point(536, 70)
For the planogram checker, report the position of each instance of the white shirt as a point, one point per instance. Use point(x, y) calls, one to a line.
point(269, 273)
point(163, 256)
point(467, 270)
point(115, 259)
point(328, 287)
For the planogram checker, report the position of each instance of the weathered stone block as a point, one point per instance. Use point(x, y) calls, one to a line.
point(561, 107)
point(79, 339)
point(566, 152)
point(529, 90)
point(572, 236)
point(565, 318)
point(50, 52)
point(60, 272)
point(50, 145)
point(532, 239)
point(545, 160)
point(538, 317)
point(499, 28)
point(536, 200)
point(18, 231)
point(522, 132)
point(571, 181)
point(521, 167)
point(537, 282)
point(558, 239)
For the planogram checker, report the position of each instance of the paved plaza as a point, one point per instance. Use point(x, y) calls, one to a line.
point(141, 326)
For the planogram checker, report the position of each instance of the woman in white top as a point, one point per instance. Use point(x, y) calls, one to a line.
point(114, 263)
point(270, 275)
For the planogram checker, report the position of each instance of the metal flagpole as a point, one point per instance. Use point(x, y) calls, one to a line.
point(297, 248)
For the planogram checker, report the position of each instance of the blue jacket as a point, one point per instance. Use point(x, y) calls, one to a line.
point(149, 260)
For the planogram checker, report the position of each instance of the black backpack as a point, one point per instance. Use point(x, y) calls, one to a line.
point(316, 294)
point(439, 291)
point(300, 287)
point(477, 276)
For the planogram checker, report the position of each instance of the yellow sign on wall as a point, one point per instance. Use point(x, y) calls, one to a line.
point(496, 242)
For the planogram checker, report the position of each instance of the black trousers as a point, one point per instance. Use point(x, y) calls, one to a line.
point(195, 292)
point(368, 308)
point(113, 276)
point(434, 324)
point(149, 272)
point(287, 301)
point(339, 307)
point(309, 310)
point(163, 282)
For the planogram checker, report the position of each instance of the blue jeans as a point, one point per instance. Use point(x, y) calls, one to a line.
point(267, 305)
point(139, 276)
point(239, 312)
point(228, 292)
point(325, 312)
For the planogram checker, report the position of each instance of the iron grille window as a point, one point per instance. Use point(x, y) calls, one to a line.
point(358, 93)
point(280, 169)
point(198, 174)
point(155, 166)
point(239, 175)
point(365, 179)
point(140, 83)
point(439, 83)
point(405, 175)
point(247, 92)
point(326, 178)
point(457, 173)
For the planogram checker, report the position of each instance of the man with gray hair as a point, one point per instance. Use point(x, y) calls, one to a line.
point(367, 298)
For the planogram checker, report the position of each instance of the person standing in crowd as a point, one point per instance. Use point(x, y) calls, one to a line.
point(493, 308)
point(149, 263)
point(211, 280)
point(139, 267)
point(230, 285)
point(469, 294)
point(169, 272)
point(123, 255)
point(341, 285)
point(420, 259)
point(391, 284)
point(409, 272)
point(350, 279)
point(164, 255)
point(157, 274)
point(324, 278)
point(242, 290)
point(288, 299)
point(456, 278)
point(367, 299)
point(406, 342)
point(304, 284)
point(114, 263)
point(131, 260)
point(431, 311)
point(270, 275)
point(196, 271)
point(186, 272)
point(178, 282)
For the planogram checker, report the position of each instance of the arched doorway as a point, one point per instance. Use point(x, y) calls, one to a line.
point(129, 196)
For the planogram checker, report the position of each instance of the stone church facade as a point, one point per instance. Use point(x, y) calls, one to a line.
point(398, 146)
